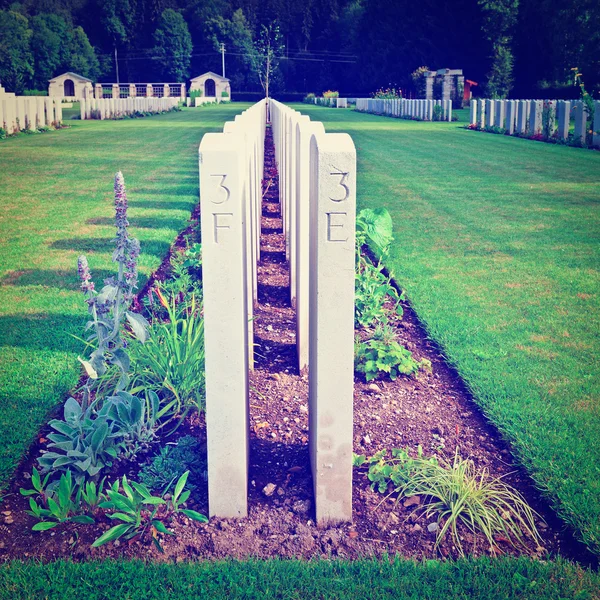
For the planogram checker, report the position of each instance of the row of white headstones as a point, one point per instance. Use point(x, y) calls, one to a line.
point(317, 194)
point(331, 102)
point(22, 113)
point(111, 108)
point(525, 117)
point(405, 108)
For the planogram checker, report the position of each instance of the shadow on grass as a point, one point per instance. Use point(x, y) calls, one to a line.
point(107, 245)
point(162, 205)
point(65, 279)
point(141, 222)
point(43, 331)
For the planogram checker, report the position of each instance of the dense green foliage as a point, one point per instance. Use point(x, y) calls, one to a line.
point(16, 61)
point(499, 19)
point(355, 46)
point(173, 46)
point(484, 579)
point(496, 247)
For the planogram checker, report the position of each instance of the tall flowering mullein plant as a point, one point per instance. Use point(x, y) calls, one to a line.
point(109, 308)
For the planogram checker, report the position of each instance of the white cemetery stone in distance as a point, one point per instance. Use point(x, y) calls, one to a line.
point(521, 116)
point(473, 112)
point(449, 102)
point(509, 124)
point(552, 120)
point(535, 117)
point(40, 111)
point(10, 112)
point(482, 113)
point(596, 125)
point(331, 360)
point(490, 115)
point(527, 113)
point(305, 129)
point(28, 123)
point(82, 109)
point(58, 109)
point(225, 323)
point(49, 104)
point(21, 112)
point(500, 113)
point(579, 134)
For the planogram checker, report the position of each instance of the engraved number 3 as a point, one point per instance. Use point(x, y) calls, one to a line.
point(342, 184)
point(225, 188)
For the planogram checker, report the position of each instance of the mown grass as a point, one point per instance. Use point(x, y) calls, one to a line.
point(497, 247)
point(56, 202)
point(484, 579)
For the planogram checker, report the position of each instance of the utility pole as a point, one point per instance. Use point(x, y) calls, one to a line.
point(223, 57)
point(117, 64)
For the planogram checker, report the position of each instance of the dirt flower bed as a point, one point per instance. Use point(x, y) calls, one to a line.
point(431, 409)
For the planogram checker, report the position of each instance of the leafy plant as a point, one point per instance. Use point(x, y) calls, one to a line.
point(92, 495)
point(456, 494)
point(193, 256)
point(548, 120)
point(438, 113)
point(171, 462)
point(184, 282)
point(331, 94)
point(372, 289)
point(389, 93)
point(109, 308)
point(59, 507)
point(375, 357)
point(171, 362)
point(88, 440)
point(586, 97)
point(372, 286)
point(142, 514)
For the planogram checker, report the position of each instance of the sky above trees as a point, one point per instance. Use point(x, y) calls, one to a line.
point(354, 46)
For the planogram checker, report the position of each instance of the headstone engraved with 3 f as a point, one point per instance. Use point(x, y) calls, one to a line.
point(224, 273)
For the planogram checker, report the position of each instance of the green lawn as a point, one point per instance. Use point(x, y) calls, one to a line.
point(481, 579)
point(56, 202)
point(497, 247)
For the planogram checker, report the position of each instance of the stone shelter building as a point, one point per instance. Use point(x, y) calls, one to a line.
point(71, 86)
point(212, 86)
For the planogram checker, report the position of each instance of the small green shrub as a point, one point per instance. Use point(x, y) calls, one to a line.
point(171, 362)
point(142, 514)
point(309, 98)
point(375, 357)
point(196, 93)
point(455, 494)
point(331, 94)
point(90, 439)
point(390, 93)
point(59, 507)
point(373, 287)
point(438, 113)
point(171, 462)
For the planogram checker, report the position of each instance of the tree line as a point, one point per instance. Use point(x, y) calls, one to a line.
point(510, 47)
